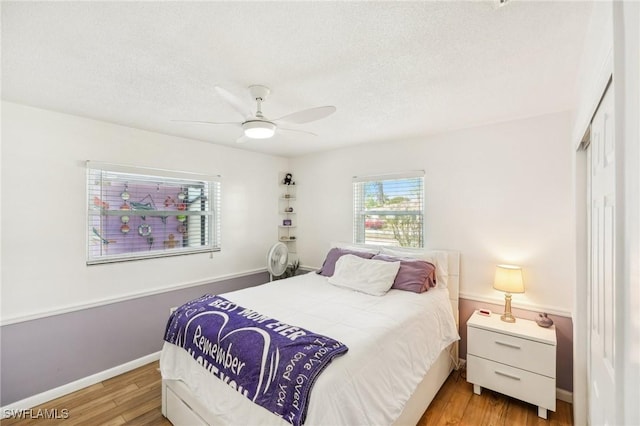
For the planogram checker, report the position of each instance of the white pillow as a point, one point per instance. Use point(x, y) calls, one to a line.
point(438, 257)
point(369, 276)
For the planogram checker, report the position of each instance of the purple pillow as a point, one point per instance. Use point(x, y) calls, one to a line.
point(329, 265)
point(414, 274)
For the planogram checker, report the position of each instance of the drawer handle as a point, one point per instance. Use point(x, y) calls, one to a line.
point(509, 345)
point(511, 376)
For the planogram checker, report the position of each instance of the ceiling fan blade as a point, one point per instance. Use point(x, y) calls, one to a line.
point(235, 102)
point(235, 123)
point(243, 139)
point(307, 115)
point(296, 130)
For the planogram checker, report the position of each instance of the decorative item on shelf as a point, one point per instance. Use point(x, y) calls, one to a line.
point(182, 228)
point(544, 321)
point(99, 203)
point(508, 278)
point(124, 219)
point(181, 218)
point(170, 242)
point(125, 194)
point(288, 179)
point(140, 205)
point(125, 228)
point(169, 201)
point(288, 210)
point(125, 206)
point(286, 222)
point(144, 230)
point(102, 239)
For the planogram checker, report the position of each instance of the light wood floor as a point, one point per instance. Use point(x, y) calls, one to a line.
point(456, 404)
point(133, 398)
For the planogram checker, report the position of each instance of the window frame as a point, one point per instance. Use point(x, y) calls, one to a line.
point(100, 176)
point(360, 212)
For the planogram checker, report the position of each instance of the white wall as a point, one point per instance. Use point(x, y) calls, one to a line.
point(498, 193)
point(44, 211)
point(595, 67)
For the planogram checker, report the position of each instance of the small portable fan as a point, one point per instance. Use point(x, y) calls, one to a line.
point(277, 259)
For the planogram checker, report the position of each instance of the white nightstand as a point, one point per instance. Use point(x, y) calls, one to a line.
point(516, 359)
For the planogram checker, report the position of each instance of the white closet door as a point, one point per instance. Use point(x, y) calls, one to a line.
point(602, 306)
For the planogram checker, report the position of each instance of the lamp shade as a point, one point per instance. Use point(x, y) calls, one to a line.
point(509, 279)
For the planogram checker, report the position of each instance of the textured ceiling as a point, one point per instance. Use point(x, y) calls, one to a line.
point(394, 70)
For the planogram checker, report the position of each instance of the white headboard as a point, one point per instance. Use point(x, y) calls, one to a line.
point(453, 285)
point(454, 282)
point(453, 268)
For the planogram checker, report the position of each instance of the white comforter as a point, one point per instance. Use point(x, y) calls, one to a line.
point(392, 340)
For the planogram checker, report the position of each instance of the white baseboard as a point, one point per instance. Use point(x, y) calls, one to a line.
point(564, 395)
point(63, 390)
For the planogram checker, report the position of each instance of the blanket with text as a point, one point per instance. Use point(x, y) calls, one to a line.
point(271, 363)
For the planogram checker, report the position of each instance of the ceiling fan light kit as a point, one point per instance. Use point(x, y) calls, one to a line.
point(259, 129)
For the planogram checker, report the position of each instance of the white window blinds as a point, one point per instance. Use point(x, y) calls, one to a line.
point(389, 209)
point(137, 213)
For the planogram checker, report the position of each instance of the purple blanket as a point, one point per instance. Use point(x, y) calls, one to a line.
point(271, 363)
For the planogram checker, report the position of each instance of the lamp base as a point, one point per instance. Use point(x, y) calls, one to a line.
point(507, 316)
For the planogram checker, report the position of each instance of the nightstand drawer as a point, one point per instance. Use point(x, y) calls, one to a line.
point(527, 354)
point(524, 385)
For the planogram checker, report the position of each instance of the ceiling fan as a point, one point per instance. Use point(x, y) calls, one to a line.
point(257, 126)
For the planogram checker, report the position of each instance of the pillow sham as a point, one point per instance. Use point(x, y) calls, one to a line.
point(414, 274)
point(374, 277)
point(329, 265)
point(437, 257)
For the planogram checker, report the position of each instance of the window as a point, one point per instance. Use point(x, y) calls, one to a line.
point(389, 209)
point(137, 213)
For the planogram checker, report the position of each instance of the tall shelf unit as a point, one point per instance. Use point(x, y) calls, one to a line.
point(288, 214)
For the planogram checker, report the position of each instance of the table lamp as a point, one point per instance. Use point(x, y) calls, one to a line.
point(508, 279)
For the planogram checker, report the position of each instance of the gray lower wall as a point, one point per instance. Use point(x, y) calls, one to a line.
point(564, 335)
point(42, 354)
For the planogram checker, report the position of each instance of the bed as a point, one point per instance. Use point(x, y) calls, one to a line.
point(402, 347)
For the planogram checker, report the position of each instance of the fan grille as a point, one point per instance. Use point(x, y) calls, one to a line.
point(277, 259)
